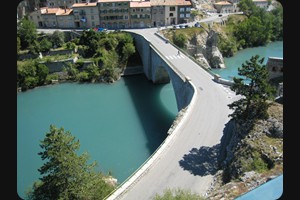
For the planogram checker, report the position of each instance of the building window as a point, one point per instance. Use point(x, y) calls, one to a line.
point(171, 15)
point(172, 8)
point(181, 15)
point(187, 15)
point(92, 10)
point(93, 24)
point(188, 9)
point(181, 9)
point(92, 17)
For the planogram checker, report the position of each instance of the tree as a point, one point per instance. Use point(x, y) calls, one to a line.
point(26, 30)
point(57, 39)
point(65, 174)
point(247, 7)
point(253, 103)
point(45, 45)
point(180, 40)
point(41, 71)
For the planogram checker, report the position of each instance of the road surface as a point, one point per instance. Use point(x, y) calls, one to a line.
point(189, 159)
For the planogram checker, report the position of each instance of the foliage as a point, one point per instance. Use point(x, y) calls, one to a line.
point(57, 39)
point(227, 46)
point(253, 104)
point(253, 31)
point(41, 72)
point(180, 40)
point(247, 7)
point(45, 45)
point(18, 45)
point(70, 45)
point(93, 72)
point(51, 77)
point(26, 31)
point(258, 29)
point(178, 194)
point(66, 175)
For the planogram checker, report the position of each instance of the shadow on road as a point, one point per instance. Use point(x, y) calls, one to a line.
point(202, 161)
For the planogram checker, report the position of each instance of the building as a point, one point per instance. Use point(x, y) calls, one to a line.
point(140, 14)
point(65, 18)
point(168, 12)
point(111, 14)
point(261, 3)
point(114, 14)
point(86, 15)
point(224, 7)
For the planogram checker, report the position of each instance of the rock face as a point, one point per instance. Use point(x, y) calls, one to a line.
point(204, 47)
point(249, 155)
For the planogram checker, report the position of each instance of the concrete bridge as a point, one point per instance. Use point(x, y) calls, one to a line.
point(187, 158)
point(159, 70)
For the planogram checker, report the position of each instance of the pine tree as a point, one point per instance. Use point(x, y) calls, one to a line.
point(65, 175)
point(253, 104)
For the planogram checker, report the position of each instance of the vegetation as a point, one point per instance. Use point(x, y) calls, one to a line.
point(109, 53)
point(180, 40)
point(26, 31)
point(178, 194)
point(257, 29)
point(255, 90)
point(66, 175)
point(30, 74)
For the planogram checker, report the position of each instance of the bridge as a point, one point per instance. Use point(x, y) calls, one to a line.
point(188, 156)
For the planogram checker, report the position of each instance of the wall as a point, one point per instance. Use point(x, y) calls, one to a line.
point(160, 70)
point(275, 67)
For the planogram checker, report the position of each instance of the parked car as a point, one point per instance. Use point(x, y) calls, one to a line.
point(220, 15)
point(186, 26)
point(197, 24)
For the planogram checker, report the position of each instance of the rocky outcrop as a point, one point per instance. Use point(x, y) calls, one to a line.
point(249, 155)
point(204, 48)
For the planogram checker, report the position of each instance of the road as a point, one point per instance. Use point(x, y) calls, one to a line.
point(188, 161)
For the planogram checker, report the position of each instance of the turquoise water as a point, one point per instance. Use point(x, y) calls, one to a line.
point(119, 125)
point(273, 49)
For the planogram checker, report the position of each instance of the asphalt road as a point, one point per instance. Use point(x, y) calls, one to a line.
point(189, 159)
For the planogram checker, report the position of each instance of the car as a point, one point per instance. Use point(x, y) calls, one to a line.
point(197, 24)
point(186, 26)
point(220, 15)
point(181, 26)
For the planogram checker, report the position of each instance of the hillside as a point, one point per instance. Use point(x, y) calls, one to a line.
point(249, 159)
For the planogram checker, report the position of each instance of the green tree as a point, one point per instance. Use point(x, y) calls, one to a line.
point(178, 194)
point(45, 45)
point(93, 71)
point(180, 40)
point(41, 71)
point(65, 175)
point(57, 38)
point(26, 30)
point(247, 7)
point(255, 89)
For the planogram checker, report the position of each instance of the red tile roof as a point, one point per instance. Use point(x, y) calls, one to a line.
point(140, 4)
point(170, 2)
point(84, 4)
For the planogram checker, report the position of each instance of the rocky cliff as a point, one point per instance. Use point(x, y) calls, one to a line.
point(247, 159)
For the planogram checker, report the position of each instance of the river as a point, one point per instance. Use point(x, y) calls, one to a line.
point(120, 125)
point(273, 49)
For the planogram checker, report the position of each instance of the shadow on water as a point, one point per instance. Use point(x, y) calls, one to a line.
point(155, 118)
point(206, 160)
